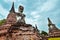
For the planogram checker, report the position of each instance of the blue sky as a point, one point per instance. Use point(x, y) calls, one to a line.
point(36, 11)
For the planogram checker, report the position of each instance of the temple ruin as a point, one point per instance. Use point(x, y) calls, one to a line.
point(15, 28)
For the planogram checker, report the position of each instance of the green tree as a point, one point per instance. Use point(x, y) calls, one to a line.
point(44, 33)
point(2, 21)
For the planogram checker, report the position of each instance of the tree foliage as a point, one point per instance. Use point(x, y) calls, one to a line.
point(2, 21)
point(44, 33)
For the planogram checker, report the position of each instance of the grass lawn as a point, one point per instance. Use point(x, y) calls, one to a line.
point(53, 38)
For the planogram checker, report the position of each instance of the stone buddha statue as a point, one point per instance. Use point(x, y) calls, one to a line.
point(20, 15)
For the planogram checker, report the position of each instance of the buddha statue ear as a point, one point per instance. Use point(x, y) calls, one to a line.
point(21, 8)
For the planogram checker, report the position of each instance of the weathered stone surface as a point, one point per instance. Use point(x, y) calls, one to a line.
point(11, 18)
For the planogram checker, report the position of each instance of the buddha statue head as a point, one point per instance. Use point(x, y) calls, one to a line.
point(21, 8)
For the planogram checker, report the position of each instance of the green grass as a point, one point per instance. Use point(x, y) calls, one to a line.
point(2, 21)
point(53, 38)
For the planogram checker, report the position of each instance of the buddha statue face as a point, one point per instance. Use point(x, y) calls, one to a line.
point(21, 8)
point(51, 26)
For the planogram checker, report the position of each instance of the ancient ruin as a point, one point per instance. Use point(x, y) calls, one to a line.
point(53, 30)
point(15, 28)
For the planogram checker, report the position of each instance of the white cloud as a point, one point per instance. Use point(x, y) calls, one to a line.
point(31, 21)
point(47, 6)
point(3, 11)
point(35, 14)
